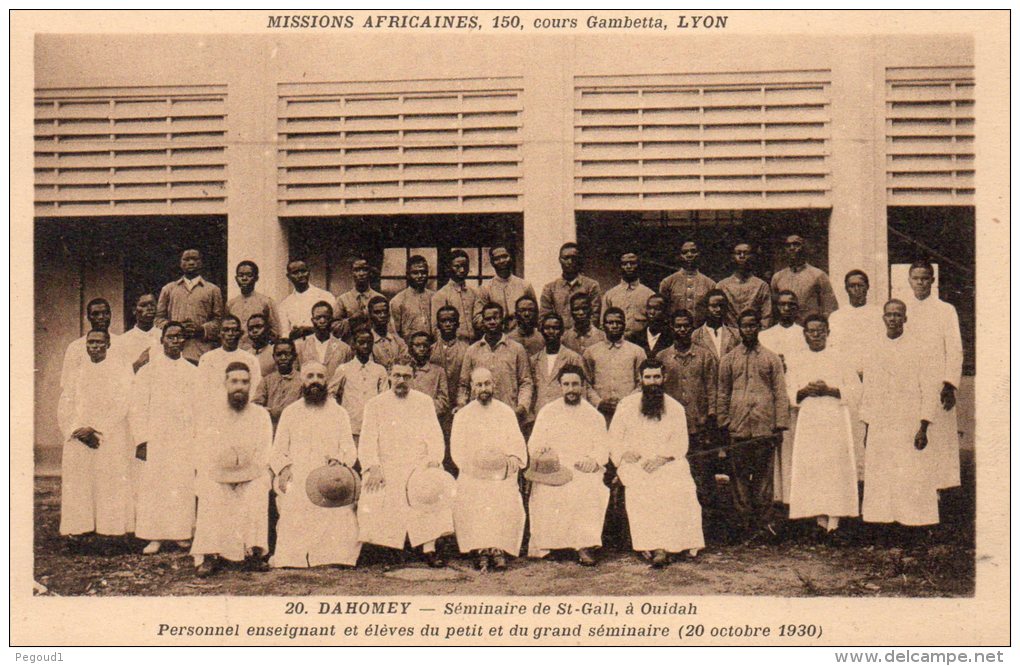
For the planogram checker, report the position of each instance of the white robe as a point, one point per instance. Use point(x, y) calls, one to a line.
point(487, 513)
point(308, 535)
point(399, 435)
point(75, 356)
point(662, 508)
point(132, 343)
point(823, 478)
point(212, 370)
point(935, 327)
point(233, 518)
point(95, 493)
point(900, 483)
point(571, 515)
point(163, 413)
point(787, 343)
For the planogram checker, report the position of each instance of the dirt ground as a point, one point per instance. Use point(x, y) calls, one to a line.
point(869, 561)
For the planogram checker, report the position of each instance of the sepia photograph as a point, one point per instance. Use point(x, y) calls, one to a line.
point(497, 307)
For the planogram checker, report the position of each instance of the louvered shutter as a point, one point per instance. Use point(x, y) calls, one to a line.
point(744, 140)
point(382, 148)
point(130, 151)
point(929, 136)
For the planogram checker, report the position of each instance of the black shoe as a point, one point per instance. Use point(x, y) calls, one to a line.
point(660, 559)
point(585, 558)
point(435, 560)
point(254, 562)
point(499, 561)
point(209, 566)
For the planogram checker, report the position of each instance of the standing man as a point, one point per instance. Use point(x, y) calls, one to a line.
point(142, 341)
point(97, 311)
point(753, 409)
point(163, 421)
point(691, 375)
point(314, 431)
point(488, 448)
point(507, 361)
point(688, 288)
point(358, 380)
point(448, 351)
point(570, 515)
point(352, 305)
point(648, 444)
point(212, 364)
point(935, 328)
point(582, 334)
point(281, 387)
point(296, 309)
point(505, 288)
point(401, 435)
point(547, 364)
point(429, 378)
point(232, 481)
point(194, 302)
point(259, 345)
point(526, 331)
point(898, 404)
point(613, 364)
point(557, 294)
point(630, 295)
point(656, 336)
point(95, 493)
point(458, 294)
point(411, 309)
point(714, 335)
point(321, 345)
point(810, 285)
point(251, 302)
point(743, 290)
point(386, 344)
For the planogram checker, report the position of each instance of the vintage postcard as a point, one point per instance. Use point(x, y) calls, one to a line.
point(482, 327)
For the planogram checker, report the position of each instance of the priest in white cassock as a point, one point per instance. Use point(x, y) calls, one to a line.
point(232, 484)
point(95, 491)
point(313, 432)
point(823, 478)
point(571, 515)
point(163, 421)
point(935, 328)
point(213, 363)
point(399, 434)
point(648, 443)
point(488, 448)
point(852, 332)
point(98, 314)
point(898, 405)
point(141, 341)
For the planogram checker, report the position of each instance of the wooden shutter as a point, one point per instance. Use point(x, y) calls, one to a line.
point(693, 141)
point(929, 136)
point(450, 146)
point(130, 151)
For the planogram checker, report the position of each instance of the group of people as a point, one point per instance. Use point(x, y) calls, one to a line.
point(480, 413)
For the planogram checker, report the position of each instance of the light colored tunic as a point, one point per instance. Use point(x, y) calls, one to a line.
point(900, 482)
point(556, 298)
point(579, 342)
point(750, 294)
point(296, 309)
point(786, 343)
point(202, 303)
point(75, 356)
point(212, 371)
point(612, 368)
point(511, 372)
point(95, 493)
point(813, 289)
point(243, 307)
point(411, 311)
point(400, 435)
point(388, 348)
point(355, 383)
point(331, 353)
point(934, 325)
point(663, 509)
point(163, 413)
point(631, 298)
point(823, 477)
point(571, 515)
point(463, 298)
point(683, 290)
point(505, 292)
point(308, 437)
point(487, 513)
point(233, 518)
point(131, 344)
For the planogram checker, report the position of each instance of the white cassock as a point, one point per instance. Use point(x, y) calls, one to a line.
point(75, 356)
point(487, 513)
point(308, 535)
point(399, 435)
point(935, 327)
point(212, 371)
point(900, 483)
point(852, 332)
point(233, 518)
point(571, 515)
point(823, 478)
point(163, 413)
point(132, 343)
point(786, 342)
point(663, 509)
point(95, 492)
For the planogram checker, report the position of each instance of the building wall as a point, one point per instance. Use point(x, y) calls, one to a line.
point(255, 70)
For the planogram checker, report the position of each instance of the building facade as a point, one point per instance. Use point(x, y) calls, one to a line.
point(325, 147)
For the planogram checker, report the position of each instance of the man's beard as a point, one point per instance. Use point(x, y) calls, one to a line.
point(485, 397)
point(314, 393)
point(652, 401)
point(572, 398)
point(237, 400)
point(401, 390)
